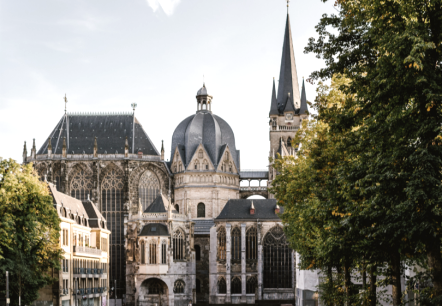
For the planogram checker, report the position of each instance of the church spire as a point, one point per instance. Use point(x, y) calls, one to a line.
point(274, 104)
point(288, 89)
point(304, 106)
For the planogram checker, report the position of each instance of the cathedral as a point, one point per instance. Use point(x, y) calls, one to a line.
point(184, 230)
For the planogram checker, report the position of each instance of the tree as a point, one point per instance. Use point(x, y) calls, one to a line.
point(391, 53)
point(29, 231)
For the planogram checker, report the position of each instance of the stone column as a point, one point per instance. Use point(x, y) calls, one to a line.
point(243, 263)
point(260, 261)
point(228, 263)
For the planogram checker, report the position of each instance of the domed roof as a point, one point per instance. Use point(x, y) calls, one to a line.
point(202, 91)
point(210, 130)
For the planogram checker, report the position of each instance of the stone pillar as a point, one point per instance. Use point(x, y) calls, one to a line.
point(293, 270)
point(228, 263)
point(260, 261)
point(243, 263)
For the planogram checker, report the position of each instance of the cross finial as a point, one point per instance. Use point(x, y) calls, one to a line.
point(134, 106)
point(288, 6)
point(65, 103)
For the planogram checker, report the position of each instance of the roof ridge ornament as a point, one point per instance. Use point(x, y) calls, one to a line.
point(65, 104)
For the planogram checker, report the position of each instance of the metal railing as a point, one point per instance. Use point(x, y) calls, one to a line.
point(262, 188)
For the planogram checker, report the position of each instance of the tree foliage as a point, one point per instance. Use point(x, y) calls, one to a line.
point(29, 231)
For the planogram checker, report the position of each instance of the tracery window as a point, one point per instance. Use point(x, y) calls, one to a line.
point(178, 245)
point(235, 286)
point(112, 199)
point(236, 244)
point(221, 244)
point(148, 188)
point(178, 287)
point(201, 210)
point(251, 284)
point(251, 244)
point(163, 252)
point(222, 287)
point(143, 252)
point(81, 185)
point(152, 252)
point(197, 252)
point(277, 260)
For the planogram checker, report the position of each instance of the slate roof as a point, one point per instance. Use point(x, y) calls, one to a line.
point(240, 209)
point(160, 204)
point(154, 229)
point(202, 227)
point(111, 132)
point(210, 130)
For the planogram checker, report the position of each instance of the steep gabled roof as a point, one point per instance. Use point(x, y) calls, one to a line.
point(240, 209)
point(154, 229)
point(111, 132)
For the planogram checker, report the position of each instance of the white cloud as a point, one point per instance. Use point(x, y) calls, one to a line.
point(168, 6)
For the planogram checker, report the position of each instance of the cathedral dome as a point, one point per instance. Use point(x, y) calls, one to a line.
point(213, 132)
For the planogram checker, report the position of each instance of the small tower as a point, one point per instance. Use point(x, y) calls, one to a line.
point(162, 149)
point(33, 150)
point(204, 101)
point(25, 154)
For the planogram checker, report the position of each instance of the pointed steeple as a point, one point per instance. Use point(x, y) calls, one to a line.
point(288, 89)
point(162, 150)
point(274, 103)
point(304, 106)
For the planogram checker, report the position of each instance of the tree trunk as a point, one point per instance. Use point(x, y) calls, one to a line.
point(373, 270)
point(330, 284)
point(435, 263)
point(396, 277)
point(347, 282)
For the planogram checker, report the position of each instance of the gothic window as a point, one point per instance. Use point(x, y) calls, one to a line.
point(197, 252)
point(56, 178)
point(236, 244)
point(251, 244)
point(112, 198)
point(235, 286)
point(198, 286)
point(152, 253)
point(81, 185)
point(148, 188)
point(163, 252)
point(143, 253)
point(178, 245)
point(63, 212)
point(289, 141)
point(200, 154)
point(251, 285)
point(222, 288)
point(221, 244)
point(177, 207)
point(277, 260)
point(155, 287)
point(178, 287)
point(201, 210)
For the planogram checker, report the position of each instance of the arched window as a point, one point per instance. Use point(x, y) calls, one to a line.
point(152, 252)
point(112, 197)
point(143, 252)
point(251, 285)
point(222, 288)
point(198, 286)
point(155, 287)
point(235, 286)
point(81, 185)
point(177, 207)
point(163, 252)
point(197, 252)
point(251, 244)
point(148, 188)
point(63, 212)
point(289, 141)
point(201, 210)
point(236, 244)
point(178, 287)
point(221, 244)
point(277, 260)
point(178, 245)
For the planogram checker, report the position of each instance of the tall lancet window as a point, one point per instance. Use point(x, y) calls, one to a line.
point(81, 184)
point(148, 188)
point(178, 245)
point(236, 244)
point(143, 253)
point(251, 244)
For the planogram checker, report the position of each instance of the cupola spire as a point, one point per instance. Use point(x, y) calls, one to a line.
point(203, 99)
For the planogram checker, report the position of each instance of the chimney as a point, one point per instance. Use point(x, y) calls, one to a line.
point(63, 152)
point(25, 154)
point(49, 147)
point(252, 209)
point(95, 147)
point(126, 148)
point(162, 150)
point(277, 209)
point(140, 154)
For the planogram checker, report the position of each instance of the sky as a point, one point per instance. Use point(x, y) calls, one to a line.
point(107, 54)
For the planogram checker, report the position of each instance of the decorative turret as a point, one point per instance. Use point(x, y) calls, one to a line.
point(274, 103)
point(33, 150)
point(204, 101)
point(25, 154)
point(49, 147)
point(162, 149)
point(304, 107)
point(63, 151)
